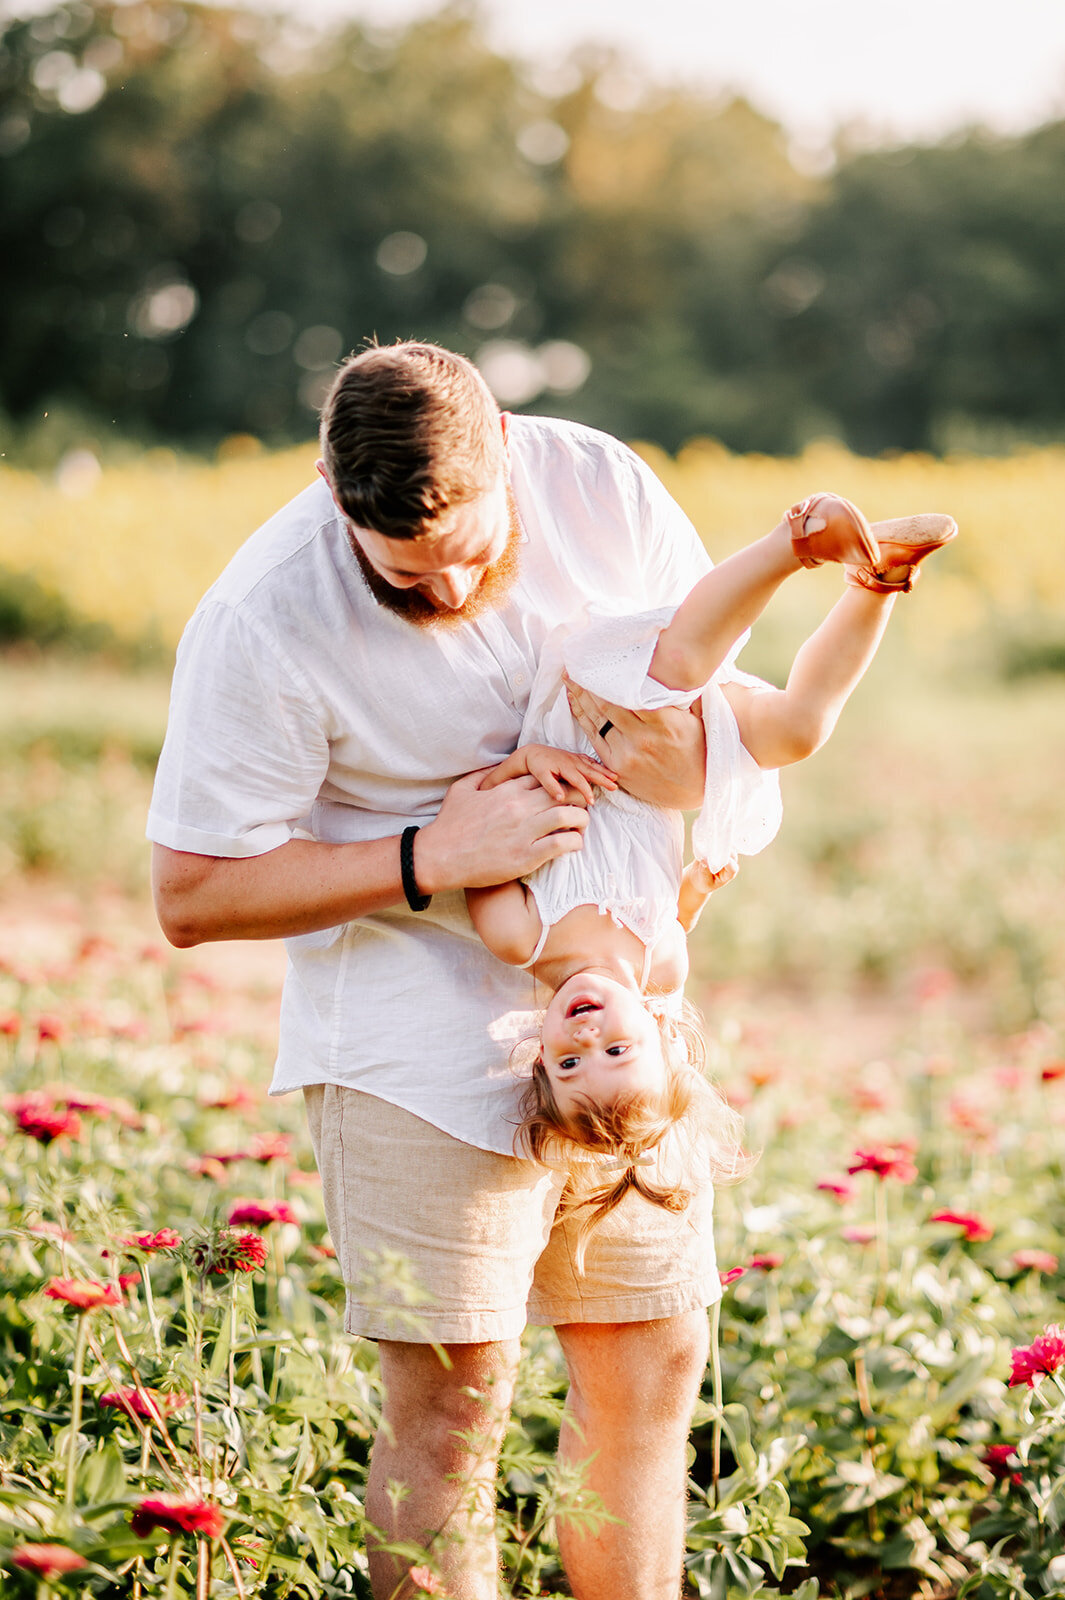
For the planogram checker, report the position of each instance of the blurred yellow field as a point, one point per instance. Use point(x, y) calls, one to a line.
point(138, 545)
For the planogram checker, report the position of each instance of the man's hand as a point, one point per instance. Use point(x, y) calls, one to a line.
point(555, 771)
point(484, 835)
point(659, 756)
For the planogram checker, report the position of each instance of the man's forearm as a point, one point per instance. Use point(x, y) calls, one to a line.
point(298, 888)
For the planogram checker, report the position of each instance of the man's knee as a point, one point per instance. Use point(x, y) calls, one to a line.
point(447, 1408)
point(644, 1373)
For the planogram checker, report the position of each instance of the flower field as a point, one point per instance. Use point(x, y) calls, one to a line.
point(179, 1411)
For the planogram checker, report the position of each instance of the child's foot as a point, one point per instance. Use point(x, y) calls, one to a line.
point(903, 541)
point(825, 527)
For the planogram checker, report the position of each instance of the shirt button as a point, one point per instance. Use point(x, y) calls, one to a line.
point(519, 678)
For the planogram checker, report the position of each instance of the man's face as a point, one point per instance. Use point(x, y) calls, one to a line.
point(447, 577)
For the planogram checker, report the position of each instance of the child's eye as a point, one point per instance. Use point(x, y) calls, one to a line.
point(567, 1063)
point(616, 1049)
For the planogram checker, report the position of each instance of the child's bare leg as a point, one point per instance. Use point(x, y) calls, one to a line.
point(781, 726)
point(722, 605)
point(729, 599)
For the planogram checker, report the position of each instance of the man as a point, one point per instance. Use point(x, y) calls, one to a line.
point(362, 656)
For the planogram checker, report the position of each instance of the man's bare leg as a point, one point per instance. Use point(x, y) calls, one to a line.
point(633, 1388)
point(447, 1494)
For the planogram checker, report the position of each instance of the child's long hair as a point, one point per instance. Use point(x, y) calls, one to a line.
point(604, 1149)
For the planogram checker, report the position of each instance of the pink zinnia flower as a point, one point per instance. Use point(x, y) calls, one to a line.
point(427, 1582)
point(174, 1515)
point(886, 1161)
point(269, 1147)
point(840, 1188)
point(84, 1293)
point(975, 1228)
point(47, 1561)
point(53, 1028)
point(858, 1234)
point(238, 1096)
point(10, 1028)
point(260, 1213)
point(162, 1239)
point(1034, 1261)
point(229, 1251)
point(766, 1263)
point(1045, 1354)
point(731, 1275)
point(136, 1402)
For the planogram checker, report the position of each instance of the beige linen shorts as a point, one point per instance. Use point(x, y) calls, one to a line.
point(439, 1241)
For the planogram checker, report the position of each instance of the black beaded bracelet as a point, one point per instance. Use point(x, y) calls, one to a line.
point(415, 899)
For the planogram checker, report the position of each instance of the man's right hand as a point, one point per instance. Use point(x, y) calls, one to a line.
point(483, 836)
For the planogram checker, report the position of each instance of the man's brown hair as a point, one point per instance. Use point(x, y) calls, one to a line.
point(409, 432)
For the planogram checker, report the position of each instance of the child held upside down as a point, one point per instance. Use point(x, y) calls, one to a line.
point(603, 927)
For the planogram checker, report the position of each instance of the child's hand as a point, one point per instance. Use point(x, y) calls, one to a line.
point(554, 769)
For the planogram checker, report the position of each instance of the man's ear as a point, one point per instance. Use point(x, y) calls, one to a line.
point(504, 423)
point(323, 471)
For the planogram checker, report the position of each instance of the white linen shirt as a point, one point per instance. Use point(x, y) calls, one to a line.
point(301, 708)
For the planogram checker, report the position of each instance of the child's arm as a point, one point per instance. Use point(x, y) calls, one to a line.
point(697, 885)
point(553, 769)
point(506, 920)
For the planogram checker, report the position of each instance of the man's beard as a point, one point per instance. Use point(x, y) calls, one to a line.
point(413, 606)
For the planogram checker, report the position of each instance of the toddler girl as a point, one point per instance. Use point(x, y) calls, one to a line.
point(603, 928)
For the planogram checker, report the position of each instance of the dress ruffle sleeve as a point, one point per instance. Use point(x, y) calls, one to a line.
point(741, 809)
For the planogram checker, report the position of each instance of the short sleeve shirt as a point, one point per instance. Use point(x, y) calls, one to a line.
point(301, 708)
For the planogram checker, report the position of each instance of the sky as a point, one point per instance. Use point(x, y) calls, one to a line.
point(908, 69)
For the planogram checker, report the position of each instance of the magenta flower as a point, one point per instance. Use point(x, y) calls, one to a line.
point(840, 1189)
point(1043, 1356)
point(1034, 1261)
point(174, 1515)
point(84, 1294)
point(260, 1213)
point(47, 1561)
point(731, 1275)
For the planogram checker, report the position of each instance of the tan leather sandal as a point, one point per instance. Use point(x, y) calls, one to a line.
point(903, 541)
point(825, 527)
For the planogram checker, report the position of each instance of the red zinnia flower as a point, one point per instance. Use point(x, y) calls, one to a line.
point(11, 1027)
point(237, 1097)
point(85, 1294)
point(260, 1213)
point(975, 1228)
point(886, 1161)
point(37, 1115)
point(135, 1402)
point(174, 1515)
point(840, 1188)
point(164, 1239)
point(228, 1251)
point(766, 1263)
point(1045, 1354)
point(998, 1459)
point(731, 1275)
point(50, 1028)
point(1052, 1071)
point(48, 1561)
point(1034, 1261)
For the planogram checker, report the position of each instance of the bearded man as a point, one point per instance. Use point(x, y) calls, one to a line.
point(362, 656)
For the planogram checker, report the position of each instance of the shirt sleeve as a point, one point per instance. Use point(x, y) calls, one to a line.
point(675, 557)
point(245, 752)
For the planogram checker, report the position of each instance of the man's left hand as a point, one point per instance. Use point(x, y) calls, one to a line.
point(659, 756)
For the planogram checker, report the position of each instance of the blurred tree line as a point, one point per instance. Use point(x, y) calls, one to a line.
point(202, 209)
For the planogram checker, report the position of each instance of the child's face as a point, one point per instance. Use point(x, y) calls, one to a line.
point(600, 1041)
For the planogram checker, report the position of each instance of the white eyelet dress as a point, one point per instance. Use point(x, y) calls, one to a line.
point(630, 862)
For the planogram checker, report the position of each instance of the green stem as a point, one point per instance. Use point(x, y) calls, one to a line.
point(77, 1380)
point(154, 1322)
point(719, 1398)
point(881, 1212)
